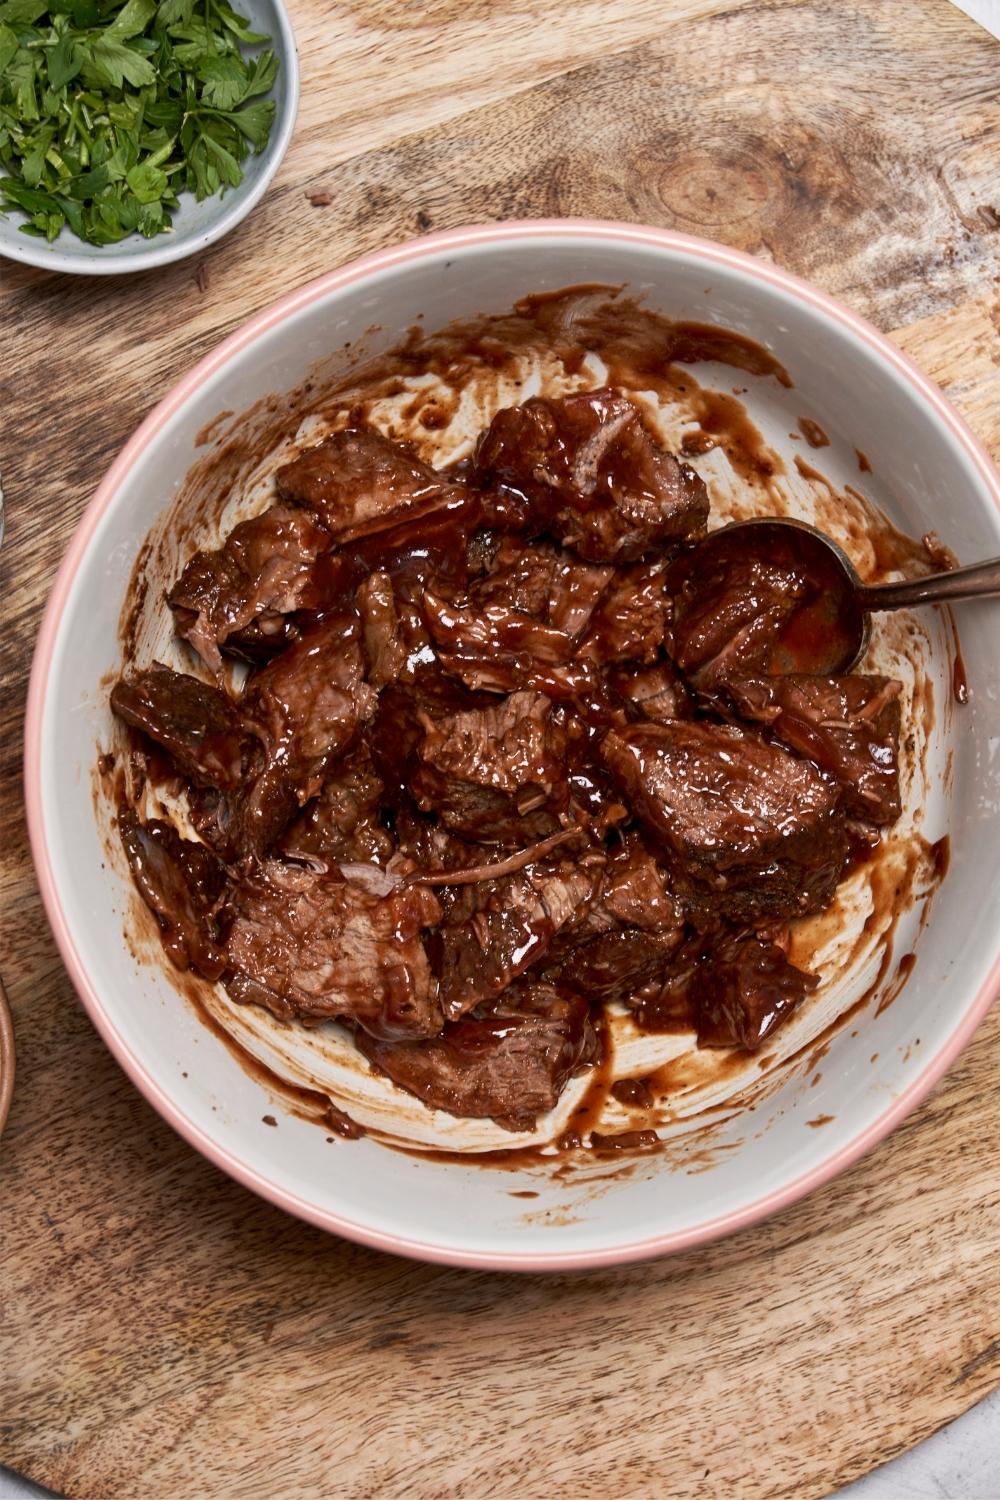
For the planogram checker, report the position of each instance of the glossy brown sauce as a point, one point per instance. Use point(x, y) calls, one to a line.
point(918, 866)
point(633, 1091)
point(813, 433)
point(209, 432)
point(727, 422)
point(135, 601)
point(808, 472)
point(635, 342)
point(904, 969)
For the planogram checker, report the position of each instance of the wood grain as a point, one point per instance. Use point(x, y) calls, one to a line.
point(166, 1334)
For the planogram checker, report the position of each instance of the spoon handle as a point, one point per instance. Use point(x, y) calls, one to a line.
point(977, 581)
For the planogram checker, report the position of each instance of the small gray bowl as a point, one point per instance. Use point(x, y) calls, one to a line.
point(196, 225)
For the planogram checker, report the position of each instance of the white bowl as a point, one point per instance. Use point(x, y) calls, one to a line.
point(195, 225)
point(928, 472)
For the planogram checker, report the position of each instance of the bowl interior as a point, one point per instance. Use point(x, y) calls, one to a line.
point(195, 225)
point(820, 1112)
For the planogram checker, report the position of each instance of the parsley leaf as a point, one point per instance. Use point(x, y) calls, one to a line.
point(111, 63)
point(8, 45)
point(109, 109)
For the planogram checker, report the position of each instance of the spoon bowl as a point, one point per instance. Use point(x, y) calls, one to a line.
point(829, 629)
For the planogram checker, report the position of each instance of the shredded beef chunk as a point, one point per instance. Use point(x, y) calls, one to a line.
point(358, 482)
point(750, 831)
point(728, 613)
point(544, 583)
point(656, 692)
point(737, 612)
point(184, 885)
point(343, 822)
point(635, 891)
point(317, 946)
point(630, 624)
point(509, 1062)
point(625, 933)
point(586, 469)
point(311, 701)
point(848, 725)
point(243, 597)
point(615, 964)
point(494, 774)
point(306, 709)
point(382, 634)
point(743, 989)
point(495, 930)
point(500, 650)
point(198, 725)
point(736, 991)
point(495, 631)
point(399, 726)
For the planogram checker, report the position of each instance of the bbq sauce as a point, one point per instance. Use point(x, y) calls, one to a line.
point(813, 433)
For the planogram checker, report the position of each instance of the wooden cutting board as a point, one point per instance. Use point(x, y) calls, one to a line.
point(164, 1334)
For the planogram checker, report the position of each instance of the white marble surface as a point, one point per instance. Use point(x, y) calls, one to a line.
point(960, 1461)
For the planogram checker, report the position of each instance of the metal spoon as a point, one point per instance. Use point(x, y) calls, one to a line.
point(847, 602)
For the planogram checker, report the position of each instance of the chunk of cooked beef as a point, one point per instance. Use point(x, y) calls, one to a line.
point(343, 822)
point(626, 930)
point(614, 964)
point(495, 774)
point(632, 620)
point(310, 702)
point(243, 596)
point(245, 823)
point(357, 482)
point(728, 611)
point(735, 992)
point(495, 930)
point(306, 708)
point(629, 890)
point(587, 469)
point(509, 1061)
point(398, 727)
point(184, 886)
point(848, 725)
point(657, 692)
point(198, 725)
point(743, 989)
point(635, 891)
point(382, 638)
point(317, 946)
point(749, 830)
point(494, 630)
point(419, 554)
point(501, 651)
point(542, 582)
point(422, 844)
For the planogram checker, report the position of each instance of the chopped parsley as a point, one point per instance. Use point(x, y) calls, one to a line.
point(110, 110)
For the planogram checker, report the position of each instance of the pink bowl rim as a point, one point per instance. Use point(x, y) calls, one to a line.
point(357, 270)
